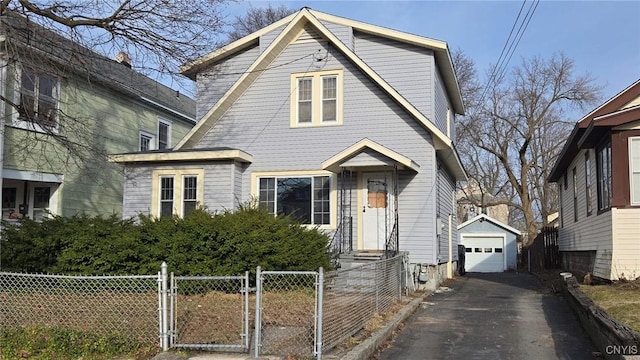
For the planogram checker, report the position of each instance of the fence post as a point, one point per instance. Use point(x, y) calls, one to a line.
point(164, 336)
point(246, 310)
point(258, 311)
point(320, 314)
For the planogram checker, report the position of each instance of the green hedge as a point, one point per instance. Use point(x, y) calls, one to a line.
point(201, 244)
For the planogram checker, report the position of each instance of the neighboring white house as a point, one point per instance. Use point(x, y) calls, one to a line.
point(344, 125)
point(598, 178)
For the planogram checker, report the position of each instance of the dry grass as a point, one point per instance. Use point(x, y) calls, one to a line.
point(621, 300)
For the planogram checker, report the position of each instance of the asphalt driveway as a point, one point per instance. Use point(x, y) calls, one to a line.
point(491, 316)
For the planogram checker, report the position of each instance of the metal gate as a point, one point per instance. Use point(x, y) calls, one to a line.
point(289, 313)
point(209, 312)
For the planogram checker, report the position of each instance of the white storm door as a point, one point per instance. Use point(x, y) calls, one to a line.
point(376, 210)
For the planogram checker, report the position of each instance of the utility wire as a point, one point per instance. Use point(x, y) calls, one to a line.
point(510, 46)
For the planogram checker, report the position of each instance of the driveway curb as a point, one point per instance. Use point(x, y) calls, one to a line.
point(368, 347)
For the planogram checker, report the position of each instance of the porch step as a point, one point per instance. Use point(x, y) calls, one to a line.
point(359, 257)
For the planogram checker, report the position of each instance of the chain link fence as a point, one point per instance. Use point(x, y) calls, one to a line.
point(286, 321)
point(298, 314)
point(353, 296)
point(104, 305)
point(210, 312)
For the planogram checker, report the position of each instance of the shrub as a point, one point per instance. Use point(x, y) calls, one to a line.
point(228, 243)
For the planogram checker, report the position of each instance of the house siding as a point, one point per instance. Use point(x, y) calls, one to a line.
point(342, 32)
point(589, 233)
point(137, 190)
point(368, 113)
point(446, 193)
point(407, 68)
point(441, 107)
point(214, 82)
point(267, 39)
point(626, 246)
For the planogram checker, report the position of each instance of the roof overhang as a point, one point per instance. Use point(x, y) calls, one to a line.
point(483, 217)
point(192, 155)
point(377, 155)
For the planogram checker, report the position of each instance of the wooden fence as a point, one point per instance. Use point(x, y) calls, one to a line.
point(544, 252)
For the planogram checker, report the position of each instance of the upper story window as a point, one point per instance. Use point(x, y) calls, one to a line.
point(603, 160)
point(316, 98)
point(146, 141)
point(39, 97)
point(575, 194)
point(634, 169)
point(164, 134)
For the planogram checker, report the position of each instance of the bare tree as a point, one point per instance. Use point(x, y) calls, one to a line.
point(511, 140)
point(256, 19)
point(74, 41)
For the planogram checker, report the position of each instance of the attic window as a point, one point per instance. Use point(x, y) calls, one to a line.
point(316, 98)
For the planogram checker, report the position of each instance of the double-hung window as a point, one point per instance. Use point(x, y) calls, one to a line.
point(164, 134)
point(316, 98)
point(176, 192)
point(39, 95)
point(306, 198)
point(634, 169)
point(146, 141)
point(603, 161)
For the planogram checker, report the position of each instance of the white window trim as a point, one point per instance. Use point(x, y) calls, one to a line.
point(632, 185)
point(178, 177)
point(152, 140)
point(15, 115)
point(168, 123)
point(316, 102)
point(333, 190)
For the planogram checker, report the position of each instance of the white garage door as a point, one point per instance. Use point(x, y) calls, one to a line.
point(483, 254)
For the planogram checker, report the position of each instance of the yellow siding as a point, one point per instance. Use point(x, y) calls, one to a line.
point(626, 244)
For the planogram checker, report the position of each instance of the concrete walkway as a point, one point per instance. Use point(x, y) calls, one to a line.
point(491, 316)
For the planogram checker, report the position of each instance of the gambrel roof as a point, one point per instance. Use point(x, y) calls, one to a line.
point(293, 26)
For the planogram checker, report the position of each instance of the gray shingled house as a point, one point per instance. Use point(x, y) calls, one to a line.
point(345, 125)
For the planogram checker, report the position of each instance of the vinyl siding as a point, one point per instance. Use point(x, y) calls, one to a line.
point(214, 82)
point(446, 192)
point(343, 33)
point(626, 244)
point(264, 131)
point(407, 68)
point(591, 232)
point(137, 191)
point(441, 106)
point(267, 39)
point(218, 186)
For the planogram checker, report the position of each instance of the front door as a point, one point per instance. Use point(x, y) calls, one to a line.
point(377, 214)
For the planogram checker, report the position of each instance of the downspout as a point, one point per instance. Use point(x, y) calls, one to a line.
point(450, 262)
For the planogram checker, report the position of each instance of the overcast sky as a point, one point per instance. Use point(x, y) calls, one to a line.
point(602, 37)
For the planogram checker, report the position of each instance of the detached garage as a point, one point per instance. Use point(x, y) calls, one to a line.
point(490, 246)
